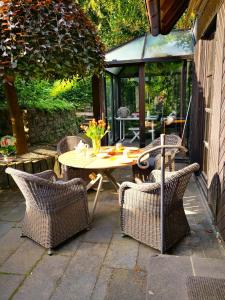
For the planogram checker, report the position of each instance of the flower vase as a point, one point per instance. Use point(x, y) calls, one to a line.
point(96, 144)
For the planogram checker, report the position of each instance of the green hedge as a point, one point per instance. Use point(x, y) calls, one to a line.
point(52, 95)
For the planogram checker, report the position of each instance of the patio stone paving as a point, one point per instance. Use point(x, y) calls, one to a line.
point(98, 264)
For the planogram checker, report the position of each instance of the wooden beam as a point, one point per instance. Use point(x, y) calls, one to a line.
point(183, 88)
point(98, 96)
point(183, 92)
point(142, 104)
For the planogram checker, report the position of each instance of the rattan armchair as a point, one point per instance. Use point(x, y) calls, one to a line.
point(68, 143)
point(140, 209)
point(154, 158)
point(55, 210)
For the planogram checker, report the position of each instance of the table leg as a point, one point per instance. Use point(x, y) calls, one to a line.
point(107, 173)
point(96, 197)
point(123, 130)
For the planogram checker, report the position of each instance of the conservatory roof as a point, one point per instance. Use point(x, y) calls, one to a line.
point(178, 44)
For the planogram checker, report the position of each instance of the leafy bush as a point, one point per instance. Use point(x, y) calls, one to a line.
point(55, 95)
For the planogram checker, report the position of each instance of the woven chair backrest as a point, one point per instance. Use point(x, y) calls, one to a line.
point(170, 139)
point(37, 191)
point(181, 178)
point(68, 143)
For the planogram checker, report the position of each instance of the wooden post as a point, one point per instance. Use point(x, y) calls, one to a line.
point(183, 91)
point(142, 104)
point(15, 115)
point(162, 138)
point(96, 96)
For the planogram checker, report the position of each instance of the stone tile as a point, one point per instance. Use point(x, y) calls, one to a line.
point(181, 250)
point(126, 285)
point(70, 246)
point(8, 284)
point(209, 267)
point(5, 227)
point(198, 251)
point(41, 283)
point(98, 234)
point(24, 258)
point(167, 277)
point(100, 289)
point(81, 275)
point(16, 214)
point(122, 252)
point(9, 243)
point(144, 254)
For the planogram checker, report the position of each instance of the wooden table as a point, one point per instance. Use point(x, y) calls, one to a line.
point(104, 166)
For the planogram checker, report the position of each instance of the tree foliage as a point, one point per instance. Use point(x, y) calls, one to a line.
point(117, 21)
point(47, 38)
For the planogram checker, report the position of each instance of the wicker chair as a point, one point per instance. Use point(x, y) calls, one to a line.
point(154, 158)
point(68, 143)
point(55, 211)
point(140, 208)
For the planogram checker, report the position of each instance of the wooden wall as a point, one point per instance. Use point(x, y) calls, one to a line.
point(210, 63)
point(221, 156)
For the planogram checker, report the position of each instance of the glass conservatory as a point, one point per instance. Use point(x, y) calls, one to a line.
point(147, 88)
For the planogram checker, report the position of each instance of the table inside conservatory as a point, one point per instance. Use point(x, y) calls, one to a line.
point(130, 118)
point(104, 163)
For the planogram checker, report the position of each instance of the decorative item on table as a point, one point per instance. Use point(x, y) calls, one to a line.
point(119, 147)
point(7, 147)
point(135, 114)
point(82, 148)
point(96, 130)
point(123, 112)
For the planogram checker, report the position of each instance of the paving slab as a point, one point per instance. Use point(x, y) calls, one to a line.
point(81, 275)
point(9, 243)
point(209, 267)
point(8, 284)
point(5, 227)
point(41, 283)
point(99, 234)
point(144, 254)
point(101, 285)
point(126, 285)
point(70, 246)
point(167, 277)
point(16, 214)
point(24, 258)
point(122, 253)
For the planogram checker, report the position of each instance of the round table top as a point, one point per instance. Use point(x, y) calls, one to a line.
point(89, 161)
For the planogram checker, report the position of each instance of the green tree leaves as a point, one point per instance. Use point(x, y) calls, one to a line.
point(118, 21)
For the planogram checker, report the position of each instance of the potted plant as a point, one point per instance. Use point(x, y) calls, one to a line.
point(7, 146)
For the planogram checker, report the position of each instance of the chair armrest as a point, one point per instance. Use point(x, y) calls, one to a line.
point(70, 183)
point(143, 187)
point(48, 174)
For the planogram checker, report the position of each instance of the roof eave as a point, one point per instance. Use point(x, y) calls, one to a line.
point(163, 15)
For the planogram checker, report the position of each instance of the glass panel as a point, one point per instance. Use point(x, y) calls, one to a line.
point(130, 99)
point(174, 44)
point(162, 99)
point(114, 70)
point(129, 71)
point(130, 51)
point(109, 105)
